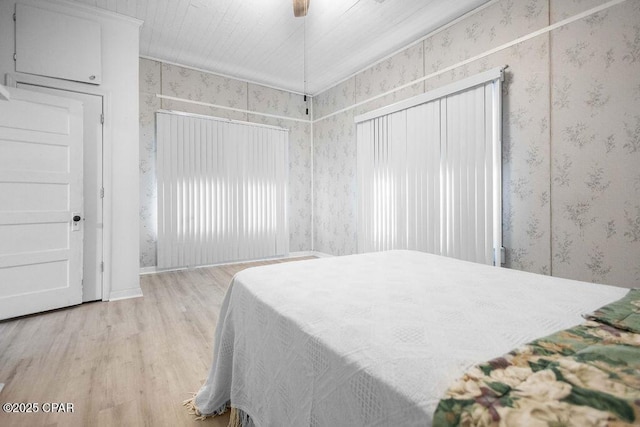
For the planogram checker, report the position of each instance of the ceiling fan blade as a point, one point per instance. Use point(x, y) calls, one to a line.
point(300, 7)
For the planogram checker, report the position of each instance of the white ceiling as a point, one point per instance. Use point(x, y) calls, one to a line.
point(261, 41)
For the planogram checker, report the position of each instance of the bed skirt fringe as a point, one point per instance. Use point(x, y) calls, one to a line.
point(193, 410)
point(237, 417)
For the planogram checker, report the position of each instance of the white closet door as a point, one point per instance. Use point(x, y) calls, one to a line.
point(41, 187)
point(92, 183)
point(57, 45)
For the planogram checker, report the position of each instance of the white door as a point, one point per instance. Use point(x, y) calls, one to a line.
point(40, 194)
point(92, 184)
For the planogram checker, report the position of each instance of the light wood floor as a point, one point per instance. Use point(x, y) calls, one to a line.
point(121, 363)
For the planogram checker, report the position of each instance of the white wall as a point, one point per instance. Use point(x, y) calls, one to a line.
point(120, 90)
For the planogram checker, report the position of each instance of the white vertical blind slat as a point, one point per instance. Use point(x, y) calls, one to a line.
point(180, 196)
point(434, 150)
point(480, 183)
point(444, 178)
point(411, 178)
point(283, 203)
point(496, 136)
point(160, 168)
point(489, 178)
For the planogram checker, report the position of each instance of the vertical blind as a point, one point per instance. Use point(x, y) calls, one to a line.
point(429, 172)
point(222, 190)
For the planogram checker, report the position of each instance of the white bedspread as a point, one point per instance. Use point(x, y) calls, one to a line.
point(375, 339)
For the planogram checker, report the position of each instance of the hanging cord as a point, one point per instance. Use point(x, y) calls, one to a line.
point(304, 58)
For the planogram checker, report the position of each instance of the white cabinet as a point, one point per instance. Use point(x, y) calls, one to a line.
point(57, 45)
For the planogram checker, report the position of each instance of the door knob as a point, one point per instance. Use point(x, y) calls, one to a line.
point(75, 225)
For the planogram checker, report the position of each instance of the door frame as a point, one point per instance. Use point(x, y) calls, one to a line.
point(12, 80)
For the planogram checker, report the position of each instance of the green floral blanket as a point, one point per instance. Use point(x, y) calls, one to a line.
point(588, 375)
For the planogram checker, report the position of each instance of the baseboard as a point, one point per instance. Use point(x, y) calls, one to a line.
point(298, 254)
point(322, 254)
point(125, 294)
point(148, 270)
point(308, 253)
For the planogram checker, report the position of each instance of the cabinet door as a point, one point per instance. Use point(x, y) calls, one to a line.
point(56, 45)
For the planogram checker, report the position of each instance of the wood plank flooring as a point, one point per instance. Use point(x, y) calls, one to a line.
point(120, 363)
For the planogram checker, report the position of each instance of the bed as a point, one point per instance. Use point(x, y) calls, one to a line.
point(374, 339)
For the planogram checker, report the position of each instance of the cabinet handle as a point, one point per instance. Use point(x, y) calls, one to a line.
point(92, 77)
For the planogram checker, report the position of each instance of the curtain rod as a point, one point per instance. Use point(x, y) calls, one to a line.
point(220, 119)
point(240, 110)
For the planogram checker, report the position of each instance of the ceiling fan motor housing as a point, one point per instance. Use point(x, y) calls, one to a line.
point(300, 7)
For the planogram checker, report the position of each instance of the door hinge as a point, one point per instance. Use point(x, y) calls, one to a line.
point(102, 119)
point(14, 17)
point(102, 193)
point(15, 57)
point(102, 267)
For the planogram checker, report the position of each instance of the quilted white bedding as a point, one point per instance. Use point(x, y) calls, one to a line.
point(374, 339)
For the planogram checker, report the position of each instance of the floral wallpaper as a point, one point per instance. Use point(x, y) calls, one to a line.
point(595, 199)
point(571, 133)
point(334, 155)
point(172, 80)
point(149, 103)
